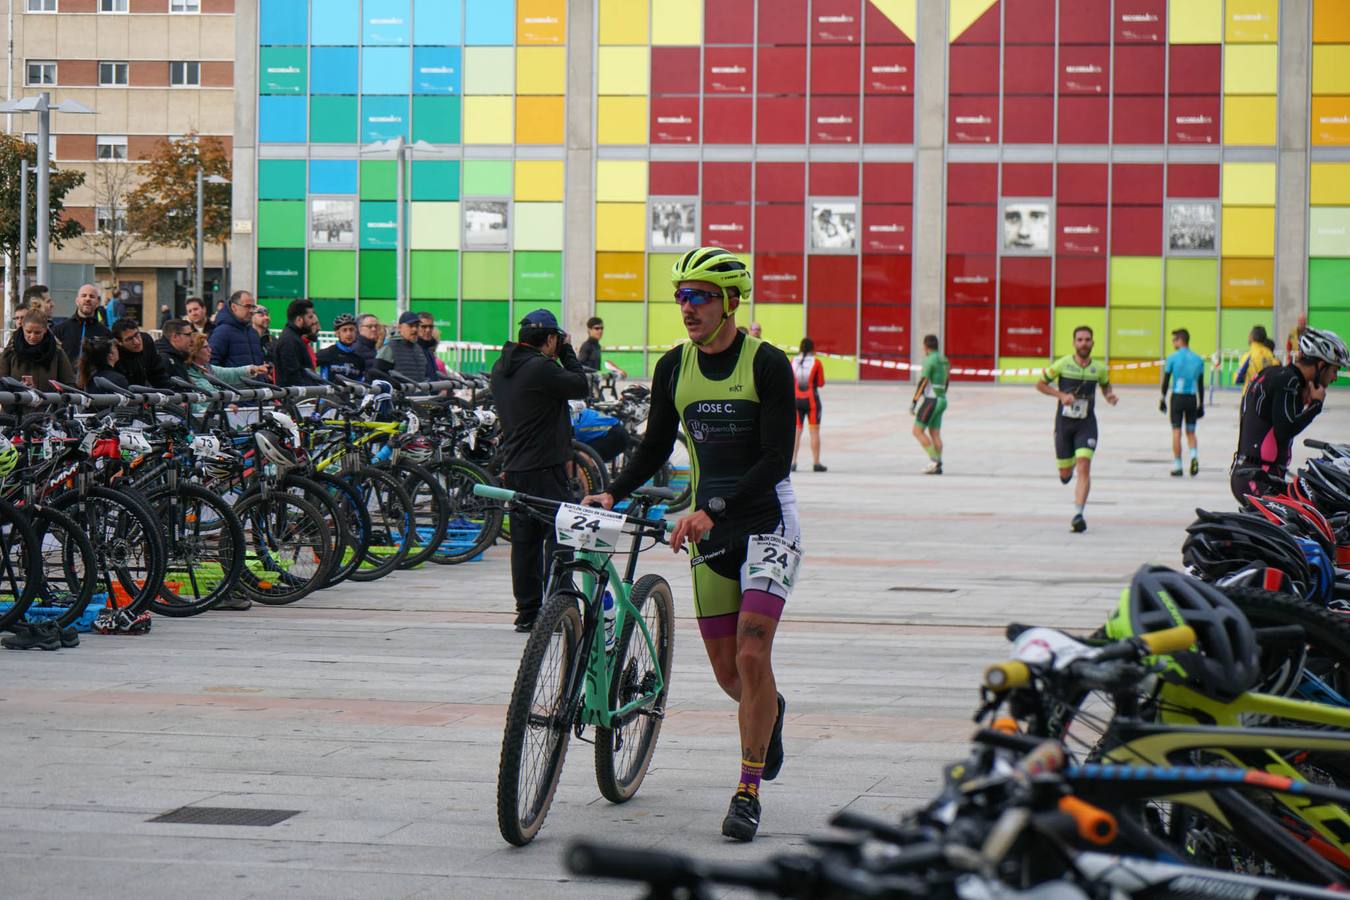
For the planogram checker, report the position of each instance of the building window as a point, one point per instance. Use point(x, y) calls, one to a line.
point(185, 6)
point(112, 73)
point(106, 223)
point(112, 146)
point(41, 6)
point(112, 5)
point(41, 72)
point(32, 138)
point(185, 74)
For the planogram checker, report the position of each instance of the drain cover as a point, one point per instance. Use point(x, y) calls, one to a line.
point(225, 815)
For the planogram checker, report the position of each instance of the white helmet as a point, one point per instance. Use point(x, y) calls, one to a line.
point(272, 448)
point(1326, 346)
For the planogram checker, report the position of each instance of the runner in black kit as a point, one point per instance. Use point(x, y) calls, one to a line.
point(1278, 404)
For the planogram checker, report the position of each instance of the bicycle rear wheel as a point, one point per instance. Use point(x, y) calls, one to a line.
point(537, 724)
point(288, 544)
point(20, 564)
point(305, 487)
point(391, 517)
point(205, 545)
point(69, 565)
point(475, 521)
point(622, 754)
point(355, 521)
point(127, 543)
point(430, 509)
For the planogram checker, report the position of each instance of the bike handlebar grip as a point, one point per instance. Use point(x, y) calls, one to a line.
point(1095, 825)
point(1315, 444)
point(650, 866)
point(493, 492)
point(1006, 676)
point(1171, 640)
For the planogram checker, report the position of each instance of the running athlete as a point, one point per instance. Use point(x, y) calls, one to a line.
point(929, 403)
point(733, 395)
point(1280, 402)
point(1185, 369)
point(1076, 415)
point(809, 375)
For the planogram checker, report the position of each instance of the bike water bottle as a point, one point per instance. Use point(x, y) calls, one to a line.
point(611, 613)
point(383, 454)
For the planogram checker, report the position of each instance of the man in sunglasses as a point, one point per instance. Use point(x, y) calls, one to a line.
point(234, 341)
point(735, 397)
point(136, 357)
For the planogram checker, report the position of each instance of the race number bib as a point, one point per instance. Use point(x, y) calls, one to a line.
point(773, 557)
point(588, 527)
point(1078, 410)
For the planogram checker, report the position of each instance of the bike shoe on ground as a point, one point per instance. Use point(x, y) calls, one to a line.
point(119, 621)
point(742, 821)
point(70, 637)
point(234, 601)
point(1078, 525)
point(38, 636)
point(773, 759)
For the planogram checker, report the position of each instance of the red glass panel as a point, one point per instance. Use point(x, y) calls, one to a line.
point(1024, 281)
point(973, 70)
point(780, 228)
point(1084, 70)
point(1141, 21)
point(1136, 184)
point(1028, 69)
point(1194, 68)
point(835, 70)
point(735, 21)
point(836, 22)
point(1136, 230)
point(880, 29)
point(1085, 22)
point(780, 22)
point(674, 120)
point(1029, 21)
point(727, 120)
point(726, 182)
point(1083, 120)
point(782, 120)
point(888, 68)
point(673, 179)
point(833, 326)
point(970, 331)
point(782, 70)
point(1028, 120)
point(778, 278)
point(834, 179)
point(1140, 69)
point(972, 182)
point(888, 182)
point(983, 30)
point(1025, 330)
point(1028, 180)
point(1192, 181)
point(780, 182)
point(1193, 120)
point(832, 279)
point(886, 229)
point(886, 278)
point(834, 120)
point(727, 225)
point(884, 336)
point(972, 120)
point(1082, 183)
point(888, 120)
point(1080, 281)
point(1139, 120)
point(728, 70)
point(972, 229)
point(675, 70)
point(970, 280)
point(1080, 230)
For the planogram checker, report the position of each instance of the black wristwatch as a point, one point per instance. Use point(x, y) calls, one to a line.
point(716, 507)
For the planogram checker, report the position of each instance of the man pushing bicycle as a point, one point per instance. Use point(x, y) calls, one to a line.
point(733, 394)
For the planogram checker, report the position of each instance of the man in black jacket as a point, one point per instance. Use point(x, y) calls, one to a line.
point(342, 357)
point(262, 324)
point(84, 324)
point(292, 354)
point(136, 359)
point(531, 384)
point(367, 333)
point(172, 347)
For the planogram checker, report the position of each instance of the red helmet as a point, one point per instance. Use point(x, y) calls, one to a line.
point(1298, 515)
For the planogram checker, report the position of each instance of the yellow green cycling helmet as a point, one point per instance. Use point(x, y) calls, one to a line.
point(9, 457)
point(717, 266)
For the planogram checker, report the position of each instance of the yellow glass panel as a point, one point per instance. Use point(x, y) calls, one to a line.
point(1195, 21)
point(539, 120)
point(539, 179)
point(621, 180)
point(620, 226)
point(621, 120)
point(1331, 21)
point(1250, 68)
point(1330, 184)
point(541, 22)
point(1249, 120)
point(1331, 69)
point(488, 70)
point(624, 70)
point(426, 224)
point(1247, 283)
point(624, 22)
point(1331, 121)
point(1252, 21)
point(1249, 184)
point(541, 70)
point(618, 276)
point(677, 22)
point(665, 327)
point(1248, 231)
point(783, 324)
point(487, 120)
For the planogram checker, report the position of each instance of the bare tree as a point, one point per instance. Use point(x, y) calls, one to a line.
point(112, 240)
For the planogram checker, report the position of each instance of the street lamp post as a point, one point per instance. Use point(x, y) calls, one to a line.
point(200, 275)
point(402, 151)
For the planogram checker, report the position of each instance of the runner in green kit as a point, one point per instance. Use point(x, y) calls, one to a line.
point(930, 401)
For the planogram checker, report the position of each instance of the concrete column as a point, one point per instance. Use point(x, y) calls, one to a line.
point(1291, 198)
point(243, 165)
point(579, 192)
point(930, 88)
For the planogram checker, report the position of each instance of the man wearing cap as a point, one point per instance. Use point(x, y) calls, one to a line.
point(404, 355)
point(342, 358)
point(262, 324)
point(233, 340)
point(531, 384)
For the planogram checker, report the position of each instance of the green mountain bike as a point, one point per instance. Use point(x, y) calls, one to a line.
point(597, 656)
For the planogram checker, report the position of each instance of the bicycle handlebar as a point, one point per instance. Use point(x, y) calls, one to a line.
point(1012, 674)
point(506, 495)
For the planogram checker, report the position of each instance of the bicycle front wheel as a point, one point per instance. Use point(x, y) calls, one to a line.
point(537, 723)
point(69, 565)
point(622, 754)
point(475, 521)
point(289, 547)
point(205, 545)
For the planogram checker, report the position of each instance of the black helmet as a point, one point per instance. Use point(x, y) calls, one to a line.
point(1218, 544)
point(1224, 661)
point(1327, 484)
point(344, 319)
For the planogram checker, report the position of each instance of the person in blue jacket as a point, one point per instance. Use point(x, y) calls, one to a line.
point(234, 341)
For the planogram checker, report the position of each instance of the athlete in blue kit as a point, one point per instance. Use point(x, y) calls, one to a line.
point(1185, 370)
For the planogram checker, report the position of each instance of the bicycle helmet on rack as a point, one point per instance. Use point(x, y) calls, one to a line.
point(272, 448)
point(1220, 544)
point(1294, 515)
point(1224, 661)
point(9, 457)
point(1326, 485)
point(1324, 346)
point(416, 448)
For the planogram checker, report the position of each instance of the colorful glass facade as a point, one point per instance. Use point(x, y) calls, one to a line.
point(1329, 180)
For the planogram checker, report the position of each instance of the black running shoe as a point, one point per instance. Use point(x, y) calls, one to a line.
point(773, 759)
point(525, 619)
point(70, 637)
point(1195, 467)
point(819, 468)
point(742, 819)
point(1078, 525)
point(38, 636)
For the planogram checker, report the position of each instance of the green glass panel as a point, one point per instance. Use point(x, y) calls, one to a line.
point(436, 119)
point(434, 275)
point(283, 70)
point(333, 120)
point(379, 179)
point(632, 363)
point(1202, 324)
point(1136, 281)
point(1135, 334)
point(281, 223)
point(1236, 324)
point(378, 274)
point(281, 273)
point(1329, 284)
point(281, 179)
point(485, 321)
point(379, 225)
point(1192, 284)
point(658, 277)
point(1067, 318)
point(446, 315)
point(625, 324)
point(332, 273)
point(328, 310)
point(538, 276)
point(385, 310)
point(487, 178)
point(435, 179)
point(487, 276)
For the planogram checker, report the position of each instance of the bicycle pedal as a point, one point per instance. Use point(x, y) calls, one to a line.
point(657, 713)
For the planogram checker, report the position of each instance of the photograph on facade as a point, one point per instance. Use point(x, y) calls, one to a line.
point(1192, 227)
point(834, 225)
point(1026, 227)
point(487, 224)
point(332, 223)
point(674, 225)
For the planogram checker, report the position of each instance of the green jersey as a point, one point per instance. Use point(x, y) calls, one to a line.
point(934, 369)
point(1080, 381)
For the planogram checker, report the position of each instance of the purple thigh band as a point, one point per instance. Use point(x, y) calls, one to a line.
point(762, 603)
point(718, 626)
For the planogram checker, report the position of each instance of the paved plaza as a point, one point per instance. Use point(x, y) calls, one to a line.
point(375, 711)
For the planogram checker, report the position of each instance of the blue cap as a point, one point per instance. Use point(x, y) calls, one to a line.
point(541, 318)
point(409, 318)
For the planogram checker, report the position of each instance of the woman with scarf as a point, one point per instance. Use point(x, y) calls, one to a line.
point(34, 356)
point(98, 356)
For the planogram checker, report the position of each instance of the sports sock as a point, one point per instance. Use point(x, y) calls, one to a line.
point(1176, 464)
point(1078, 508)
point(932, 452)
point(751, 773)
point(1195, 454)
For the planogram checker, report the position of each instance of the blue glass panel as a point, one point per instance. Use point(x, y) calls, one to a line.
point(490, 22)
point(332, 70)
point(281, 120)
point(386, 22)
point(283, 22)
point(436, 70)
point(379, 227)
point(384, 70)
point(436, 22)
point(383, 118)
point(332, 176)
point(336, 22)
